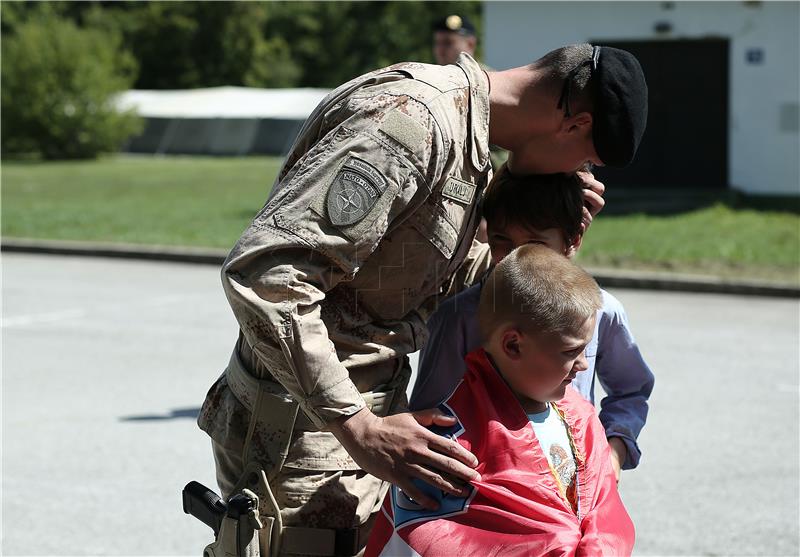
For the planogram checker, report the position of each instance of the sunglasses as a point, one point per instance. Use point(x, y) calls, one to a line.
point(563, 100)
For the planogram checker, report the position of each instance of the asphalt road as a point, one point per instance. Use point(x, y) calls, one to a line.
point(105, 363)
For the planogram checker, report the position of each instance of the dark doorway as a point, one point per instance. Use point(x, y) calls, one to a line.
point(686, 142)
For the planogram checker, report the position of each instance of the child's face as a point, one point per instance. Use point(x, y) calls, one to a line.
point(547, 362)
point(504, 240)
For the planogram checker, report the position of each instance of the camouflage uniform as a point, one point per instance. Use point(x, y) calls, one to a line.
point(370, 221)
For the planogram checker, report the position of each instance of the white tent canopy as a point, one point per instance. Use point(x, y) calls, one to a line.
point(219, 120)
point(223, 102)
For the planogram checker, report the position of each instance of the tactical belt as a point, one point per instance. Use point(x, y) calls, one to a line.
point(325, 542)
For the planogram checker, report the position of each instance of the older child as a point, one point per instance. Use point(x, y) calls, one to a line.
point(547, 487)
point(543, 210)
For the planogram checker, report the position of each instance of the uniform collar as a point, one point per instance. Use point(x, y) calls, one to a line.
point(479, 110)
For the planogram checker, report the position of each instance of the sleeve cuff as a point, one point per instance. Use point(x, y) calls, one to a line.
point(341, 399)
point(634, 454)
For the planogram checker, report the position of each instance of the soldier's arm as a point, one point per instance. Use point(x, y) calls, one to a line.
point(316, 231)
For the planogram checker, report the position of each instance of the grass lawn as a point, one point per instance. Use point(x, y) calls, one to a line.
point(718, 240)
point(193, 201)
point(200, 201)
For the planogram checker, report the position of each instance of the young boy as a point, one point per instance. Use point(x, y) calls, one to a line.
point(546, 487)
point(543, 210)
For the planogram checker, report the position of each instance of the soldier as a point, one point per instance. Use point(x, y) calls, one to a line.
point(370, 221)
point(453, 35)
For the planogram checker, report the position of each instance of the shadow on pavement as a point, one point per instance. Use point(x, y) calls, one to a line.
point(173, 415)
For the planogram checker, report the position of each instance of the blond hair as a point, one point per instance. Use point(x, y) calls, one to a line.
point(536, 289)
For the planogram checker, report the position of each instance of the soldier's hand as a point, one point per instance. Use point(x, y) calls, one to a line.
point(398, 449)
point(593, 201)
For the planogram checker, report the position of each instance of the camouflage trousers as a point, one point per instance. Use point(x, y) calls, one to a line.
point(314, 499)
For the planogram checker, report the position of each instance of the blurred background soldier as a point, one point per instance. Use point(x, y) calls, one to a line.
point(453, 35)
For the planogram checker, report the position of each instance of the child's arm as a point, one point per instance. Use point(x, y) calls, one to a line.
point(618, 454)
point(626, 379)
point(453, 333)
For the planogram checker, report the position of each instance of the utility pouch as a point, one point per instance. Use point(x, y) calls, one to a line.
point(273, 414)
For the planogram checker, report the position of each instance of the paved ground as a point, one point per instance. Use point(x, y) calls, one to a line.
point(105, 363)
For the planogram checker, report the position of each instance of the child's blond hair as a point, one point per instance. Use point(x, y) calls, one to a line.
point(537, 290)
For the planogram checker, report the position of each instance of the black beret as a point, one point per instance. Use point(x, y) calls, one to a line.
point(455, 24)
point(620, 105)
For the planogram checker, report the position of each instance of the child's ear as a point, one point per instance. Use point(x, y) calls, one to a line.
point(573, 248)
point(510, 344)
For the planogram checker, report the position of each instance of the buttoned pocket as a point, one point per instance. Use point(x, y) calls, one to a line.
point(318, 450)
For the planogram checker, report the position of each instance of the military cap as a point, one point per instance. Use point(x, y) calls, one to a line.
point(620, 105)
point(455, 24)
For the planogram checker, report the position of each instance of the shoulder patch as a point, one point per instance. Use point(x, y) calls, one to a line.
point(459, 190)
point(355, 189)
point(404, 129)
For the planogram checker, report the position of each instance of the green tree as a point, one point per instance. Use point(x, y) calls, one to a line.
point(336, 41)
point(58, 86)
point(183, 45)
point(263, 44)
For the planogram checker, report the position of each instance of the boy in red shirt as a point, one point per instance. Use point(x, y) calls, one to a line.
point(546, 483)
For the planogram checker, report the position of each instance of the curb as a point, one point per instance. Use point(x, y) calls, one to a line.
point(207, 256)
point(607, 278)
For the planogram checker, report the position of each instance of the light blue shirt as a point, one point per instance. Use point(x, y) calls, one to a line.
point(612, 355)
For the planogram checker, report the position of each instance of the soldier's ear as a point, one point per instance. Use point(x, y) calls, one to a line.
point(579, 123)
